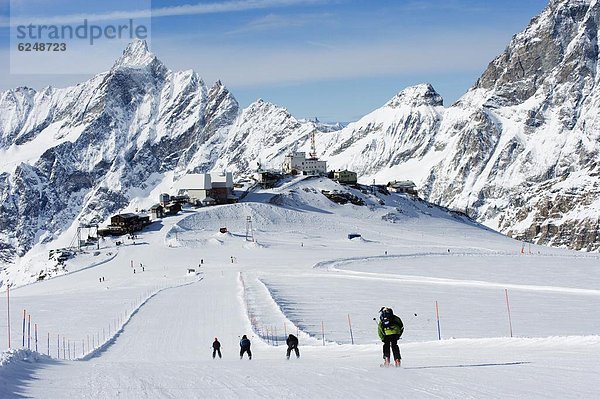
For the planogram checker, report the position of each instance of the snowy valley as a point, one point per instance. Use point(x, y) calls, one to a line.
point(147, 333)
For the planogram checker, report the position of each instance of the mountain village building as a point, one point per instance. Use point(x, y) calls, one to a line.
point(222, 187)
point(196, 186)
point(207, 188)
point(125, 223)
point(345, 177)
point(405, 186)
point(296, 163)
point(267, 178)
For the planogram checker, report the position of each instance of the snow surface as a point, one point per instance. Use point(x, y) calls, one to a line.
point(150, 332)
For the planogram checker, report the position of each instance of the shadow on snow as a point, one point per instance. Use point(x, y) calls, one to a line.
point(466, 365)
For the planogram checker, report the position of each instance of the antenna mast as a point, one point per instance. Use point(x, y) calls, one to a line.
point(249, 229)
point(313, 146)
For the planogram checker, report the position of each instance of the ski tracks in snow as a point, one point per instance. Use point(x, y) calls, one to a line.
point(336, 266)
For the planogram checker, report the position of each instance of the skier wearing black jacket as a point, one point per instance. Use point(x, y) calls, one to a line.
point(216, 348)
point(292, 343)
point(245, 347)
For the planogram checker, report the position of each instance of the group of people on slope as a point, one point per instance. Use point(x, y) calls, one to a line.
point(389, 329)
point(291, 341)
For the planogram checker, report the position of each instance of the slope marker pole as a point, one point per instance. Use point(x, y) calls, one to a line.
point(508, 309)
point(24, 311)
point(323, 332)
point(437, 316)
point(350, 326)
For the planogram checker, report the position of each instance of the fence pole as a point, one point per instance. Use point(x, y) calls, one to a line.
point(29, 331)
point(64, 349)
point(8, 312)
point(323, 332)
point(58, 346)
point(437, 316)
point(350, 326)
point(36, 341)
point(24, 317)
point(48, 344)
point(508, 308)
point(276, 337)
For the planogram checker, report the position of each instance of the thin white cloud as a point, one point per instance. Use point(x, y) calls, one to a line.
point(186, 9)
point(276, 21)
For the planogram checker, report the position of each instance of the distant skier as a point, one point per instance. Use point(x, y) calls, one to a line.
point(216, 348)
point(389, 329)
point(245, 347)
point(292, 344)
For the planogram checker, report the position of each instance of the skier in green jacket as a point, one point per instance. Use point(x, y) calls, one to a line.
point(390, 328)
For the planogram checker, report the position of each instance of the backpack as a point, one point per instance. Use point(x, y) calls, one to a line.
point(386, 317)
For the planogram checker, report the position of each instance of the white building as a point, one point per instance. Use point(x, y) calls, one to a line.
point(196, 186)
point(207, 188)
point(297, 164)
point(404, 186)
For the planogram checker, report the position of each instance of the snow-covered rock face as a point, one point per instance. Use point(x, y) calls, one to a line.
point(76, 153)
point(519, 151)
point(80, 154)
point(423, 94)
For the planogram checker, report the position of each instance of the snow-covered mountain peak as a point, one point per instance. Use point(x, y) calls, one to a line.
point(218, 89)
point(414, 96)
point(559, 46)
point(135, 55)
point(265, 108)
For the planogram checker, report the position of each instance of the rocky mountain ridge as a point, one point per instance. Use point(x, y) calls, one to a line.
point(519, 151)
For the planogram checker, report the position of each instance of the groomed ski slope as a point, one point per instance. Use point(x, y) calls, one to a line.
point(302, 274)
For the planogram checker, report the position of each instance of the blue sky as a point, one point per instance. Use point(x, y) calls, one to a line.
point(332, 59)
